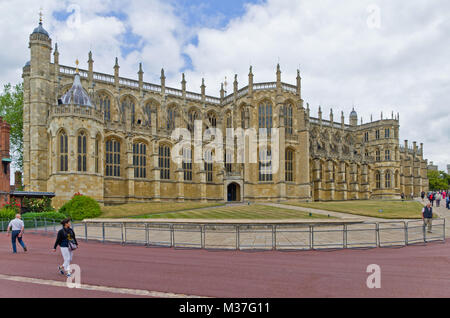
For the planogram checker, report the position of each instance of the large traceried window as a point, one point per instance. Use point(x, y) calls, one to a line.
point(289, 165)
point(105, 106)
point(265, 165)
point(187, 164)
point(209, 166)
point(63, 150)
point(228, 159)
point(387, 180)
point(113, 158)
point(148, 114)
point(171, 113)
point(265, 116)
point(229, 120)
point(140, 160)
point(128, 102)
point(243, 118)
point(387, 155)
point(81, 151)
point(212, 121)
point(96, 153)
point(193, 115)
point(386, 133)
point(366, 136)
point(377, 155)
point(288, 111)
point(378, 180)
point(164, 162)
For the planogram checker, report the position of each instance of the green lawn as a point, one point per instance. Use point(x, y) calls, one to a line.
point(391, 209)
point(254, 211)
point(138, 209)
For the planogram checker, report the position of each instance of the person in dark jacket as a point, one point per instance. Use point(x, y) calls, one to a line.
point(67, 242)
point(427, 216)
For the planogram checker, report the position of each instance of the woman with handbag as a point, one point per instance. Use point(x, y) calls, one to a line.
point(67, 244)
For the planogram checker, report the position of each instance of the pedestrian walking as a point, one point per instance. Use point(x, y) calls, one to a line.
point(402, 195)
point(412, 195)
point(447, 203)
point(427, 217)
point(431, 198)
point(67, 243)
point(18, 228)
point(422, 195)
point(438, 199)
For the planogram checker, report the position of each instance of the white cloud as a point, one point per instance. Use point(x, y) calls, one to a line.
point(403, 66)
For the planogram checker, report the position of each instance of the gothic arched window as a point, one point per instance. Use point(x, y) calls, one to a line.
point(96, 153)
point(128, 102)
point(81, 151)
point(140, 160)
point(387, 180)
point(288, 119)
point(63, 151)
point(164, 162)
point(171, 112)
point(265, 165)
point(148, 114)
point(212, 120)
point(289, 165)
point(192, 117)
point(105, 106)
point(209, 166)
point(187, 164)
point(229, 120)
point(113, 158)
point(378, 179)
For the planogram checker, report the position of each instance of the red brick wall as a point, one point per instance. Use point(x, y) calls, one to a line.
point(4, 153)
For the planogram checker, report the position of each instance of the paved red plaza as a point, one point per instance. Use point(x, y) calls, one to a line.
point(414, 271)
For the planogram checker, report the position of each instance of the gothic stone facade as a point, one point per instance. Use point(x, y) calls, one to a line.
point(117, 148)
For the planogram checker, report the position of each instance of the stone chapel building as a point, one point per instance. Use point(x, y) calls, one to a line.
point(109, 137)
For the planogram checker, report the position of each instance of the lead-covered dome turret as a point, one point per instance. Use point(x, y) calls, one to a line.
point(76, 94)
point(40, 29)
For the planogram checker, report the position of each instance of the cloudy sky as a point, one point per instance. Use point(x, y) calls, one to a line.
point(377, 55)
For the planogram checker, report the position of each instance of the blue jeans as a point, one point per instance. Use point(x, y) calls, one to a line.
point(14, 236)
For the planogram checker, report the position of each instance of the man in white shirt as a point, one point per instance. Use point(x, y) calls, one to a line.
point(17, 227)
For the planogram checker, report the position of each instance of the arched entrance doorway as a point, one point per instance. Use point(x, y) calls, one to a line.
point(233, 192)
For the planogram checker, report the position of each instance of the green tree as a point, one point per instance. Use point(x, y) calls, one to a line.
point(11, 109)
point(438, 180)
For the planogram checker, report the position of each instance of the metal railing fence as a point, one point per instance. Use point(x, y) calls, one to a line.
point(280, 236)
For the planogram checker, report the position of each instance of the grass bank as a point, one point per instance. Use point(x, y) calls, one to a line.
point(389, 209)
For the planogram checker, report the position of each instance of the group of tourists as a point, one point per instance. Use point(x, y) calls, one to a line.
point(438, 196)
point(65, 239)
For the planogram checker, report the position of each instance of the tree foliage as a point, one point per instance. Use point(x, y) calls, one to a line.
point(11, 109)
point(438, 180)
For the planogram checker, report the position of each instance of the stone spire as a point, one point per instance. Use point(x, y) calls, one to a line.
point(222, 92)
point(278, 76)
point(140, 76)
point(116, 73)
point(299, 84)
point(250, 81)
point(56, 54)
point(183, 83)
point(90, 68)
point(163, 81)
point(203, 87)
